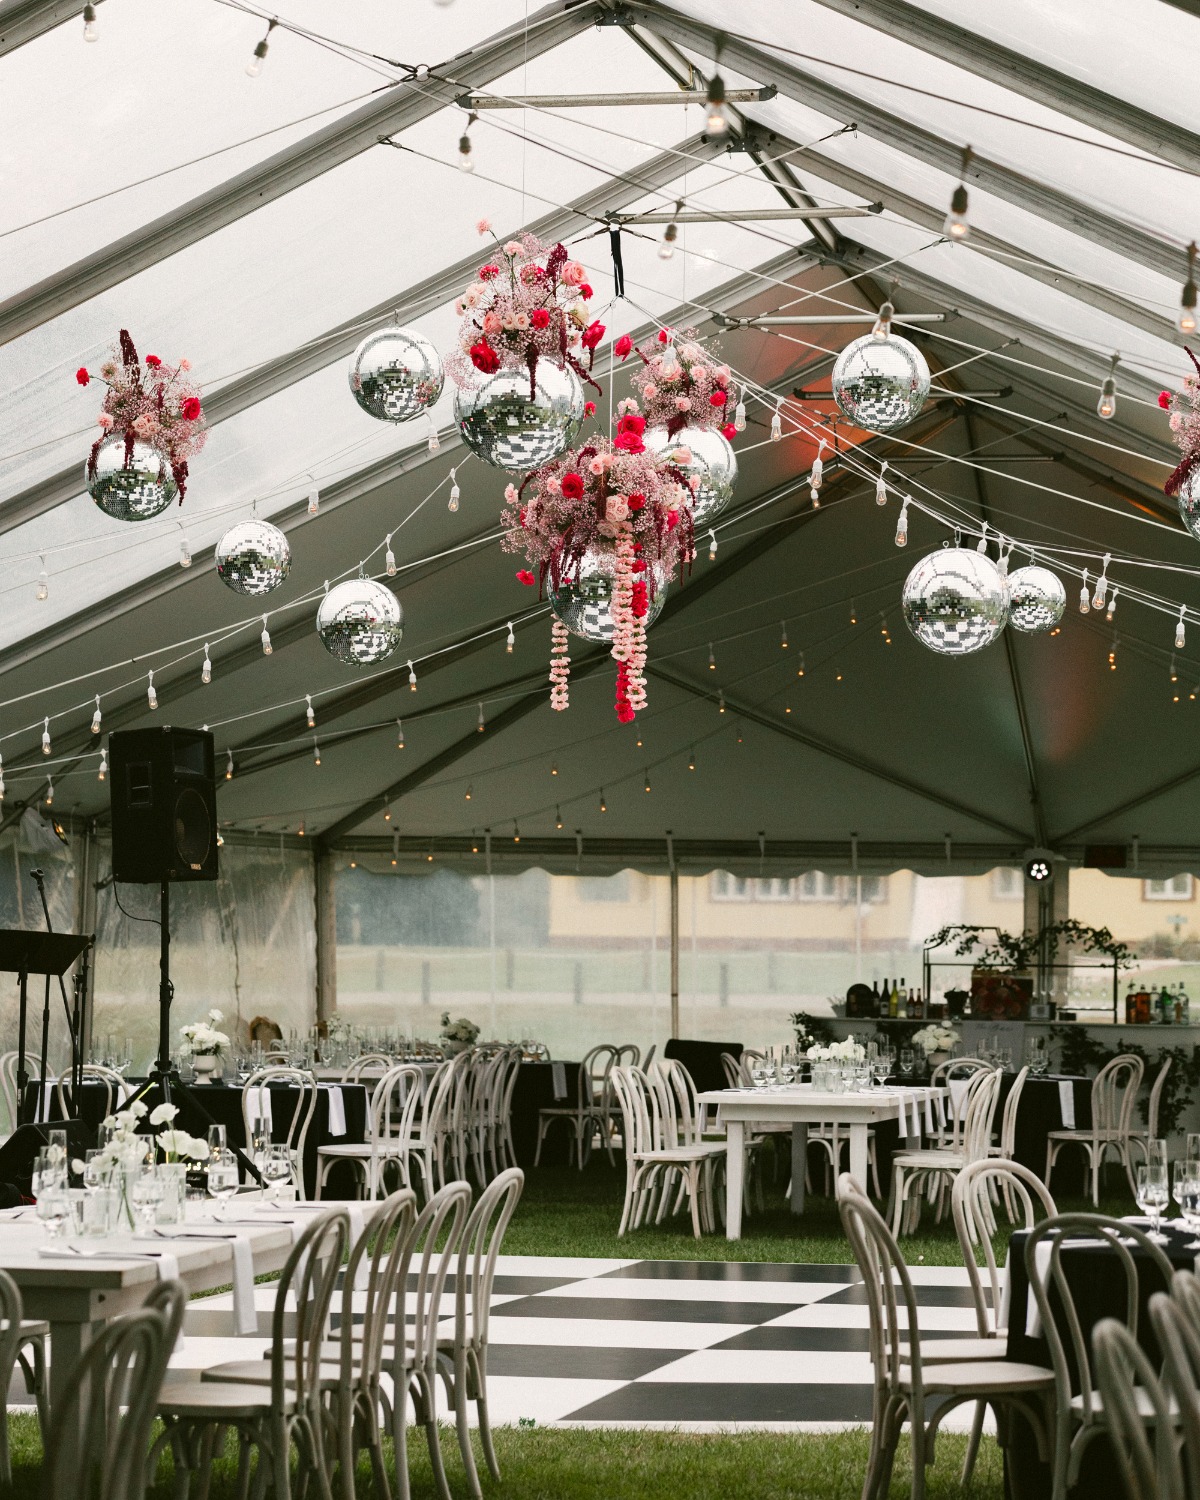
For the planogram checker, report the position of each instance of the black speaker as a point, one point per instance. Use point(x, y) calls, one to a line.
point(164, 805)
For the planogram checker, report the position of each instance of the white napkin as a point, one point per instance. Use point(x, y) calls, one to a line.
point(558, 1074)
point(958, 1092)
point(1066, 1102)
point(929, 1125)
point(337, 1109)
point(260, 1106)
point(245, 1316)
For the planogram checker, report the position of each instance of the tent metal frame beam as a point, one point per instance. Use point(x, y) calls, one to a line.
point(831, 320)
point(594, 101)
point(395, 109)
point(1056, 91)
point(817, 93)
point(286, 370)
point(24, 21)
point(747, 215)
point(1173, 783)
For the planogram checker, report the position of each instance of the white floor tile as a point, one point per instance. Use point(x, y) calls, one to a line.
point(843, 1315)
point(659, 1289)
point(764, 1367)
point(605, 1333)
point(511, 1397)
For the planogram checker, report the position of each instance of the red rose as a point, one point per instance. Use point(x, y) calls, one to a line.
point(191, 409)
point(631, 422)
point(672, 519)
point(526, 577)
point(540, 318)
point(1164, 397)
point(484, 357)
point(629, 442)
point(638, 565)
point(729, 431)
point(718, 398)
point(663, 336)
point(585, 291)
point(637, 500)
point(82, 376)
point(572, 486)
point(153, 361)
point(623, 348)
point(521, 516)
point(487, 272)
point(592, 335)
point(589, 408)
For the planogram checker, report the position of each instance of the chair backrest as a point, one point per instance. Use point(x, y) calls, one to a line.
point(116, 1090)
point(979, 1116)
point(296, 1132)
point(305, 1291)
point(108, 1407)
point(1122, 1370)
point(649, 1057)
point(895, 1339)
point(632, 1089)
point(375, 1262)
point(1044, 1268)
point(1008, 1121)
point(395, 1100)
point(692, 1115)
point(481, 1241)
point(433, 1247)
point(1178, 1335)
point(365, 1062)
point(666, 1124)
point(971, 1199)
point(732, 1069)
point(960, 1070)
point(1156, 1090)
point(593, 1071)
point(629, 1054)
point(8, 1082)
point(1114, 1090)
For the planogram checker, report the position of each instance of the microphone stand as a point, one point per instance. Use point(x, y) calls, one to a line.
point(39, 879)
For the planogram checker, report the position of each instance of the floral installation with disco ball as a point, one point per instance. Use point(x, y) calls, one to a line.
point(1183, 484)
point(152, 425)
point(611, 510)
point(360, 622)
point(678, 384)
point(955, 601)
point(396, 374)
point(706, 459)
point(881, 380)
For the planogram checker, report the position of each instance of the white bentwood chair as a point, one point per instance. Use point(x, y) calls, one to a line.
point(390, 1141)
point(654, 1157)
point(934, 1168)
point(1114, 1090)
point(296, 1133)
point(586, 1116)
point(1134, 1399)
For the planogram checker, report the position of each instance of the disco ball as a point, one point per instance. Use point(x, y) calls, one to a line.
point(360, 622)
point(583, 603)
point(1188, 500)
point(880, 384)
point(712, 461)
point(253, 558)
point(1036, 599)
point(955, 601)
point(396, 374)
point(503, 426)
point(132, 491)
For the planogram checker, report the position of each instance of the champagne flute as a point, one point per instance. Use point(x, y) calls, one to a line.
point(222, 1179)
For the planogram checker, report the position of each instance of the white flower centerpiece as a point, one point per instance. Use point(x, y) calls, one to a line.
point(827, 1062)
point(206, 1042)
point(125, 1154)
point(936, 1042)
point(458, 1035)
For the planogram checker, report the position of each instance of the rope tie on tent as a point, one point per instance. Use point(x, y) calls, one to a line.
point(578, 851)
point(854, 852)
point(670, 852)
point(618, 260)
point(487, 850)
point(762, 851)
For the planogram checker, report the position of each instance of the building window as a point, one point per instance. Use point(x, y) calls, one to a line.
point(604, 887)
point(1176, 888)
point(727, 887)
point(1008, 884)
point(813, 886)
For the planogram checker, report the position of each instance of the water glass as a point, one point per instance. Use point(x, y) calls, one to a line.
point(99, 1211)
point(758, 1075)
point(145, 1195)
point(906, 1061)
point(216, 1141)
point(1186, 1185)
point(54, 1209)
point(96, 1168)
point(276, 1168)
point(1152, 1197)
point(1193, 1147)
point(222, 1178)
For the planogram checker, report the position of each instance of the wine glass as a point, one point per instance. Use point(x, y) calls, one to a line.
point(1193, 1147)
point(222, 1178)
point(1152, 1197)
point(216, 1141)
point(1186, 1185)
point(906, 1061)
point(53, 1208)
point(881, 1066)
point(787, 1068)
point(95, 1169)
point(758, 1075)
point(276, 1168)
point(146, 1194)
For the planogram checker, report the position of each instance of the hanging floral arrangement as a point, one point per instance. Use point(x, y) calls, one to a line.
point(148, 401)
point(527, 303)
point(679, 384)
point(612, 506)
point(1184, 408)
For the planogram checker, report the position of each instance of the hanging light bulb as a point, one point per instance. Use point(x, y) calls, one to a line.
point(102, 773)
point(1101, 584)
point(185, 549)
point(902, 525)
point(308, 711)
point(956, 226)
point(412, 676)
point(783, 640)
point(883, 323)
point(465, 163)
point(800, 665)
point(316, 752)
point(516, 832)
point(220, 840)
point(49, 791)
point(739, 415)
point(853, 613)
point(666, 246)
point(480, 725)
point(1106, 407)
point(43, 584)
point(46, 736)
point(151, 695)
point(1187, 305)
point(300, 830)
point(389, 558)
point(691, 760)
point(983, 540)
point(314, 501)
point(96, 716)
point(510, 639)
point(255, 66)
point(554, 769)
point(455, 493)
point(1171, 672)
point(1085, 602)
point(1179, 632)
point(467, 795)
point(712, 546)
point(647, 786)
point(817, 475)
point(881, 492)
point(399, 734)
point(206, 669)
point(387, 811)
point(1112, 604)
point(434, 442)
point(1112, 655)
point(603, 804)
point(557, 818)
point(90, 31)
point(712, 660)
point(720, 701)
point(396, 846)
point(715, 121)
point(266, 638)
point(229, 766)
point(776, 426)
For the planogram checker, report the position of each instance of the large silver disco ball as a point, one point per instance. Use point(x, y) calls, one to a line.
point(955, 601)
point(880, 384)
point(503, 426)
point(1188, 500)
point(135, 491)
point(711, 460)
point(253, 557)
point(584, 603)
point(1036, 599)
point(360, 622)
point(396, 374)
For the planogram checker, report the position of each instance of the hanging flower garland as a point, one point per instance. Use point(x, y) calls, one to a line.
point(614, 500)
point(1184, 420)
point(149, 401)
point(678, 384)
point(529, 302)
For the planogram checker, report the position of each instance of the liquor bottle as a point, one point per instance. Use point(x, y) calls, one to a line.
point(894, 1002)
point(1129, 1006)
point(919, 1007)
point(885, 1000)
point(1165, 1008)
point(875, 998)
point(910, 1009)
point(902, 1003)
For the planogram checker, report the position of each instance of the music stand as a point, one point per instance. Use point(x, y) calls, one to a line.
point(26, 953)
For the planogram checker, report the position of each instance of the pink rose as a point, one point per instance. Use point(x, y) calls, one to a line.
point(491, 322)
point(617, 509)
point(573, 274)
point(683, 403)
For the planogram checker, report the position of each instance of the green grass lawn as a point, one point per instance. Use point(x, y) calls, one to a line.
point(564, 1464)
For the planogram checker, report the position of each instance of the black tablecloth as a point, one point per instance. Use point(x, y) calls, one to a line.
point(535, 1091)
point(1040, 1112)
point(1097, 1284)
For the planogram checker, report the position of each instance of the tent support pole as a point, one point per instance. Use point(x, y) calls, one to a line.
point(674, 951)
point(326, 934)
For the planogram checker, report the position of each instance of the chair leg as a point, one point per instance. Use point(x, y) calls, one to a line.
point(694, 1194)
point(485, 1421)
point(462, 1403)
point(1096, 1157)
point(972, 1452)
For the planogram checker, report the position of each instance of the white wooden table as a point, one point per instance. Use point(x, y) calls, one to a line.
point(77, 1298)
point(800, 1106)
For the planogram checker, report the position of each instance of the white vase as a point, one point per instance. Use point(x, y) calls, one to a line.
point(206, 1066)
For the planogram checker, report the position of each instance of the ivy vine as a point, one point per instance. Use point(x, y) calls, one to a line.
point(1021, 950)
point(1079, 1051)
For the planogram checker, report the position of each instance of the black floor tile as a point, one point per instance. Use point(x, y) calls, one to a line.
point(650, 1401)
point(642, 1310)
point(829, 1340)
point(927, 1296)
point(699, 1270)
point(579, 1362)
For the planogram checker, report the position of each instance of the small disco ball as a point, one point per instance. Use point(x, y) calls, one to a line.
point(955, 601)
point(253, 558)
point(396, 374)
point(711, 459)
point(1037, 599)
point(132, 491)
point(880, 384)
point(583, 603)
point(503, 426)
point(1188, 500)
point(360, 622)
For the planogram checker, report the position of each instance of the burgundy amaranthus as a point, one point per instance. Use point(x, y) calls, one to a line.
point(1184, 407)
point(150, 402)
